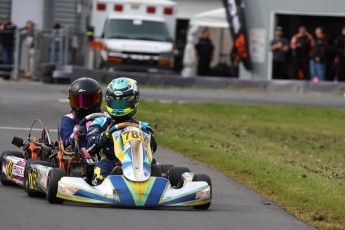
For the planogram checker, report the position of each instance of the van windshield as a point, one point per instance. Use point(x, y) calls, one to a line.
point(137, 30)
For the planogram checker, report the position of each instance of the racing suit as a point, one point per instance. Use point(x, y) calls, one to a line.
point(94, 145)
point(68, 122)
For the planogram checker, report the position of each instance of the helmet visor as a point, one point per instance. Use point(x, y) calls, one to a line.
point(120, 104)
point(84, 100)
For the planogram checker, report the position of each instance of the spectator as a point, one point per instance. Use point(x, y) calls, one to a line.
point(56, 52)
point(340, 56)
point(319, 56)
point(204, 53)
point(301, 50)
point(280, 49)
point(7, 31)
point(27, 50)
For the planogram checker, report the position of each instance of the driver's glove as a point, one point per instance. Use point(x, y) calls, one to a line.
point(103, 139)
point(78, 131)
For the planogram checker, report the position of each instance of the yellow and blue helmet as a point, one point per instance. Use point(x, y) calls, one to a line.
point(122, 98)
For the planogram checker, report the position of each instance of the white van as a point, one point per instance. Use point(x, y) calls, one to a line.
point(136, 35)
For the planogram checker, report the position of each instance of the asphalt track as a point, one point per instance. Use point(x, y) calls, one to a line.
point(234, 206)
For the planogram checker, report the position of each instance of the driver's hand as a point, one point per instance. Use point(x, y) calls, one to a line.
point(78, 131)
point(103, 139)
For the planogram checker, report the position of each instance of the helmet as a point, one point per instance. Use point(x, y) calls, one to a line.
point(85, 96)
point(122, 98)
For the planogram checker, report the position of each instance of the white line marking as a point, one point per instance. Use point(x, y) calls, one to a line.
point(26, 129)
point(63, 100)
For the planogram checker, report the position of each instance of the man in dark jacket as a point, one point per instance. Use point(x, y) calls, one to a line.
point(7, 31)
point(204, 53)
point(319, 55)
point(301, 49)
point(280, 49)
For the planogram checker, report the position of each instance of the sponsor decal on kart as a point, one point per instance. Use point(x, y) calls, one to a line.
point(18, 170)
point(43, 180)
point(9, 170)
point(203, 194)
point(67, 190)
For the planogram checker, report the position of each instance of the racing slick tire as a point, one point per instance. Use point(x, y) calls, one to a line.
point(203, 177)
point(3, 178)
point(174, 175)
point(52, 185)
point(165, 168)
point(27, 185)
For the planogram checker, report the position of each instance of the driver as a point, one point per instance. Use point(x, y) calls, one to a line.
point(85, 97)
point(122, 100)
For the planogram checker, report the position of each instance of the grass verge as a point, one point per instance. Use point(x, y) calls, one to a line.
point(292, 155)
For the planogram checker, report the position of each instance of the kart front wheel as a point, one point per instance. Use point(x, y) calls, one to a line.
point(3, 177)
point(30, 178)
point(207, 179)
point(54, 177)
point(175, 175)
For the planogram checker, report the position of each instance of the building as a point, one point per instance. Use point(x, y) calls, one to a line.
point(262, 16)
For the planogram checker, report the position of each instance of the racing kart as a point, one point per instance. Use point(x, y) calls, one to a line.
point(131, 182)
point(74, 162)
point(34, 150)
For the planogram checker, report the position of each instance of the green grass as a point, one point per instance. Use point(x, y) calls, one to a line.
point(293, 155)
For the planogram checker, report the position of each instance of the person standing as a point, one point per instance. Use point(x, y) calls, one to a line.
point(301, 50)
point(340, 56)
point(319, 56)
point(7, 31)
point(28, 49)
point(204, 53)
point(280, 49)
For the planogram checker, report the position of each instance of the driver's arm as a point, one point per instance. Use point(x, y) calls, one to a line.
point(66, 130)
point(92, 143)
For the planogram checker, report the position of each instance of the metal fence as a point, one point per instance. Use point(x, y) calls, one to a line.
point(49, 47)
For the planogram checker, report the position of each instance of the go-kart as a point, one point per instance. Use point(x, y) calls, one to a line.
point(34, 150)
point(74, 162)
point(131, 183)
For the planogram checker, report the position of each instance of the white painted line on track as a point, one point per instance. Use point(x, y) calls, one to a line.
point(25, 129)
point(63, 100)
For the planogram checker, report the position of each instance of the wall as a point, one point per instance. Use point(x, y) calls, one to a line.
point(22, 11)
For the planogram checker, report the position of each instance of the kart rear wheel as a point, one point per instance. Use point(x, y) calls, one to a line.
point(3, 178)
point(27, 182)
point(205, 178)
point(54, 177)
point(175, 173)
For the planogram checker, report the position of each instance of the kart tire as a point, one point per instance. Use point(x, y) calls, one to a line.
point(30, 192)
point(175, 173)
point(3, 178)
point(205, 178)
point(54, 177)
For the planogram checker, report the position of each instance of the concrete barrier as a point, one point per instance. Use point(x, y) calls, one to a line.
point(72, 73)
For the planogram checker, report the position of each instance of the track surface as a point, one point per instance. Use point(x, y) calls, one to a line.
point(234, 206)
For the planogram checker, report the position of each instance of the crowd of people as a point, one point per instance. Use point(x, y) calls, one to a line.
point(313, 57)
point(27, 48)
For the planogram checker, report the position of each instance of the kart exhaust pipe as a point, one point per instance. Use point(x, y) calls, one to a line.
point(19, 142)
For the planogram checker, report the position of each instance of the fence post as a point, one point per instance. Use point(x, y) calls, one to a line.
point(16, 55)
point(65, 53)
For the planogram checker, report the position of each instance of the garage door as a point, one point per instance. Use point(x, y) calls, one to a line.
point(5, 8)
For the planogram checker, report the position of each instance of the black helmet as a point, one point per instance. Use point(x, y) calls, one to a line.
point(85, 96)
